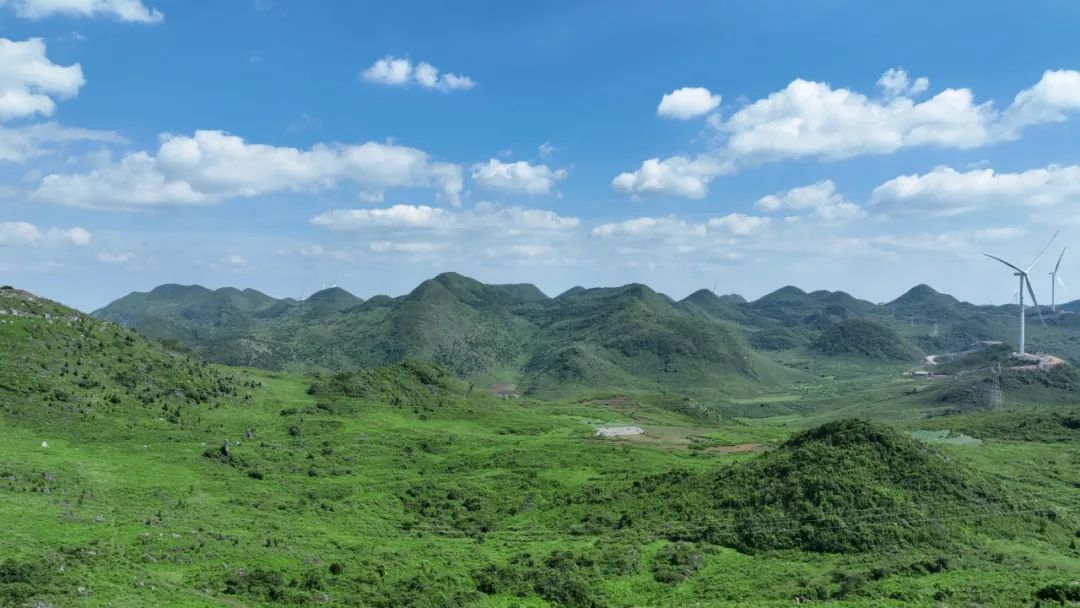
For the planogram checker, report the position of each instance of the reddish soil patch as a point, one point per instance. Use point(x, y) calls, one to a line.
point(504, 389)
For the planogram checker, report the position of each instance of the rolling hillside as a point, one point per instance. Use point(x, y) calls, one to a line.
point(61, 369)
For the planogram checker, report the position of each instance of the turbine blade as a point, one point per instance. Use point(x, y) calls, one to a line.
point(1063, 285)
point(1031, 292)
point(1004, 262)
point(1058, 265)
point(1032, 265)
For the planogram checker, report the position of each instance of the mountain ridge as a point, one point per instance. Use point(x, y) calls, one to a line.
point(629, 335)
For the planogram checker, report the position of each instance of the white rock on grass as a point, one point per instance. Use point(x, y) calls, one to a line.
point(619, 431)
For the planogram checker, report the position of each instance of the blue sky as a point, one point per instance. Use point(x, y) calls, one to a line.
point(286, 145)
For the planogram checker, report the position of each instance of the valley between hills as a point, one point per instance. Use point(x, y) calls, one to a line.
point(488, 445)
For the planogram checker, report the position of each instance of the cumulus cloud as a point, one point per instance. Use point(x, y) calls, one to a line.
point(24, 233)
point(677, 175)
point(29, 81)
point(520, 176)
point(819, 199)
point(946, 191)
point(212, 166)
point(1056, 92)
point(124, 10)
point(810, 119)
point(687, 103)
point(20, 144)
point(895, 82)
point(399, 72)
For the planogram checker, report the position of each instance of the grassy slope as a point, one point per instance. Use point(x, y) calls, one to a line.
point(480, 501)
point(415, 502)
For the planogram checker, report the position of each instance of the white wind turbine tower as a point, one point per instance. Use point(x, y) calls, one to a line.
point(1054, 280)
point(1025, 282)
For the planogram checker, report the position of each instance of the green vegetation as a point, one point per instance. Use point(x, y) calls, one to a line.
point(847, 486)
point(1040, 424)
point(132, 474)
point(863, 338)
point(411, 383)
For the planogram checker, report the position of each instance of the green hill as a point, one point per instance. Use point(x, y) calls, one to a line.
point(629, 336)
point(410, 383)
point(846, 486)
point(722, 308)
point(817, 310)
point(863, 338)
point(925, 302)
point(63, 370)
point(634, 337)
point(333, 298)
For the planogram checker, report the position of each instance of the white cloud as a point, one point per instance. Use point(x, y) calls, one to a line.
point(820, 199)
point(738, 224)
point(124, 10)
point(812, 119)
point(809, 119)
point(29, 80)
point(946, 191)
point(398, 216)
point(24, 233)
point(677, 228)
point(670, 226)
point(1046, 102)
point(488, 229)
point(510, 221)
point(415, 247)
point(998, 234)
point(687, 103)
point(532, 251)
point(895, 82)
point(212, 166)
point(518, 176)
point(20, 144)
point(677, 175)
point(397, 71)
point(546, 149)
point(115, 258)
point(236, 260)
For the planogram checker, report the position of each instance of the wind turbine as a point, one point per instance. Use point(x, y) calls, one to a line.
point(1026, 282)
point(1054, 280)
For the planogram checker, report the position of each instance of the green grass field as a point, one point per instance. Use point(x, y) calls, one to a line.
point(344, 502)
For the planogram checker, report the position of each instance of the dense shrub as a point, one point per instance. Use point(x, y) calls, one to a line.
point(864, 338)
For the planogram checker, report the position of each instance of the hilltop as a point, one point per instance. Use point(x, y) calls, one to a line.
point(819, 491)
